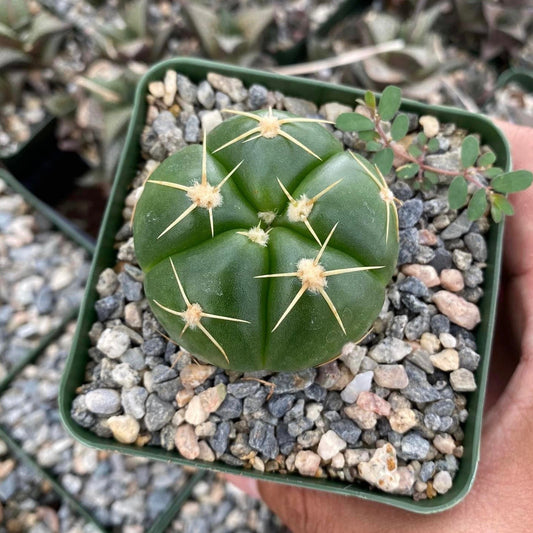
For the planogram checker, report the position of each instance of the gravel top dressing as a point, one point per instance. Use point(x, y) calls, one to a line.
point(387, 414)
point(42, 277)
point(118, 491)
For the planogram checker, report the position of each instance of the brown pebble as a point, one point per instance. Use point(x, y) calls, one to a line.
point(425, 273)
point(187, 442)
point(372, 402)
point(427, 238)
point(451, 279)
point(457, 309)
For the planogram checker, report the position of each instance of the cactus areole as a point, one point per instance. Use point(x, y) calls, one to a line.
point(267, 247)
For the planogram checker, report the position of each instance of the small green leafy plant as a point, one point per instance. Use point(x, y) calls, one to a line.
point(383, 129)
point(268, 247)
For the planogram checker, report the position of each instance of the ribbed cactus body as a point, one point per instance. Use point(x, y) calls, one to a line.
point(276, 266)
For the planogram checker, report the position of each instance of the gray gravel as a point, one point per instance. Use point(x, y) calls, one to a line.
point(42, 277)
point(399, 395)
point(118, 490)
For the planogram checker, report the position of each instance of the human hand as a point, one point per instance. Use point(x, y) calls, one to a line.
point(500, 497)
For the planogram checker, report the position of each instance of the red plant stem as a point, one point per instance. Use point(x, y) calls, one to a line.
point(400, 151)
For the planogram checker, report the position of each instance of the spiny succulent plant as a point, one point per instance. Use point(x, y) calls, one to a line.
point(269, 246)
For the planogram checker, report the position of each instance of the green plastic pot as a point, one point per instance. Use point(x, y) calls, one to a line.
point(105, 256)
point(159, 526)
point(64, 226)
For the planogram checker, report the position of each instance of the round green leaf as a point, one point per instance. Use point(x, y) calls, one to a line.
point(415, 150)
point(486, 159)
point(477, 205)
point(433, 145)
point(368, 135)
point(503, 204)
point(389, 103)
point(431, 177)
point(373, 146)
point(512, 181)
point(496, 213)
point(399, 127)
point(354, 122)
point(493, 172)
point(383, 160)
point(407, 171)
point(457, 192)
point(469, 151)
point(370, 99)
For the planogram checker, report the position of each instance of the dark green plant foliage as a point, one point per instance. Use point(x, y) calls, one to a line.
point(218, 266)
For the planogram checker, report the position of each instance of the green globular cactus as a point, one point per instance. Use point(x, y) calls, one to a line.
point(269, 247)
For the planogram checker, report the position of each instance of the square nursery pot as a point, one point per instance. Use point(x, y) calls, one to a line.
point(39, 162)
point(64, 226)
point(319, 93)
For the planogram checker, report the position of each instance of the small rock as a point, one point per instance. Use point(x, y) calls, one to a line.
point(448, 341)
point(419, 389)
point(293, 381)
point(346, 430)
point(444, 443)
point(430, 343)
point(403, 420)
point(207, 402)
point(157, 89)
point(280, 405)
point(352, 356)
point(390, 350)
point(430, 124)
point(307, 462)
point(263, 439)
point(458, 227)
point(457, 309)
point(462, 260)
point(184, 396)
point(330, 444)
point(124, 427)
point(442, 482)
point(391, 376)
point(462, 380)
point(413, 286)
point(381, 470)
point(194, 375)
point(133, 401)
point(170, 83)
point(477, 246)
point(299, 106)
point(192, 129)
point(206, 453)
point(133, 290)
point(125, 376)
point(220, 440)
point(257, 96)
point(186, 89)
point(233, 87)
point(113, 343)
point(372, 402)
point(206, 95)
point(187, 442)
point(158, 413)
point(447, 360)
point(332, 110)
point(414, 446)
point(469, 359)
point(230, 408)
point(241, 389)
point(363, 418)
point(107, 283)
point(360, 383)
point(441, 260)
point(103, 401)
point(410, 212)
point(425, 273)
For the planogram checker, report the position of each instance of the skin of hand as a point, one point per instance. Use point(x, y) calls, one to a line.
point(500, 499)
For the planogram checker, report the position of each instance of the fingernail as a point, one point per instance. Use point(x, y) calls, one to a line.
point(246, 484)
